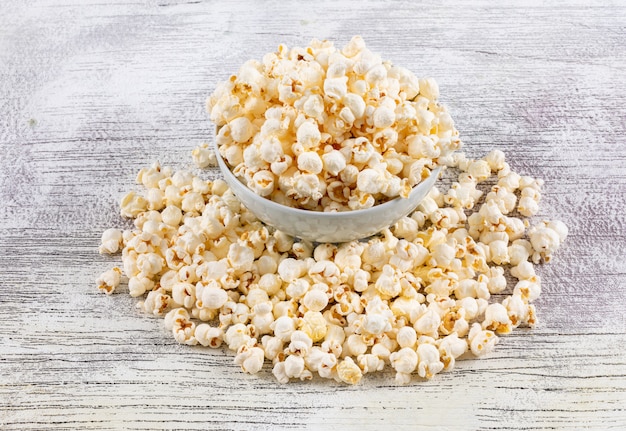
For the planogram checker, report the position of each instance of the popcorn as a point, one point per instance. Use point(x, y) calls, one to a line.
point(300, 344)
point(263, 182)
point(237, 335)
point(498, 252)
point(376, 324)
point(479, 170)
point(150, 177)
point(370, 363)
point(545, 238)
point(262, 109)
point(371, 181)
point(241, 129)
point(417, 296)
point(132, 204)
point(406, 337)
point(250, 359)
point(262, 317)
point(348, 371)
point(497, 319)
point(527, 206)
point(511, 181)
point(496, 160)
point(183, 294)
point(325, 271)
point(294, 367)
point(388, 283)
point(334, 339)
point(450, 348)
point(283, 327)
point(137, 286)
point(172, 215)
point(404, 361)
point(524, 271)
point(497, 280)
point(209, 336)
point(150, 264)
point(270, 283)
point(327, 364)
point(481, 341)
point(240, 257)
point(213, 296)
point(203, 156)
point(315, 300)
point(428, 324)
point(334, 162)
point(528, 290)
point(428, 88)
point(559, 227)
point(298, 288)
point(267, 264)
point(309, 162)
point(519, 251)
point(428, 363)
point(156, 302)
point(179, 322)
point(280, 373)
point(109, 280)
point(291, 269)
point(454, 322)
point(354, 345)
point(111, 241)
point(517, 309)
point(272, 346)
point(256, 296)
point(314, 325)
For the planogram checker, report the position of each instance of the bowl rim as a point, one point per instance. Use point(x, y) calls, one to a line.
point(321, 214)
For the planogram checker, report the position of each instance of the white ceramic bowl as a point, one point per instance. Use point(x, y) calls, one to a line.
point(319, 226)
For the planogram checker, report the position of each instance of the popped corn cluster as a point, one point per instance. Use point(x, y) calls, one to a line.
point(330, 129)
point(412, 299)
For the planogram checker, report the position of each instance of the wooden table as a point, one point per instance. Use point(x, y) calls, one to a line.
point(91, 91)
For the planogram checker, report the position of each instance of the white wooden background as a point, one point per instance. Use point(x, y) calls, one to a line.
point(91, 91)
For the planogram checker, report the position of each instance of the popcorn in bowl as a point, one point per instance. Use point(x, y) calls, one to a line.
point(327, 226)
point(327, 129)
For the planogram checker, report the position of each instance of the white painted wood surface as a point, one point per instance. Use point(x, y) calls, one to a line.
point(90, 91)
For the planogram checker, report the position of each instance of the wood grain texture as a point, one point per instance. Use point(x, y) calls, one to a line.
point(91, 91)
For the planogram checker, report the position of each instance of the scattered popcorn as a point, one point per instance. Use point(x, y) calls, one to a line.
point(481, 341)
point(156, 302)
point(179, 322)
point(210, 336)
point(404, 361)
point(250, 358)
point(203, 156)
point(308, 124)
point(428, 363)
point(109, 280)
point(348, 371)
point(450, 348)
point(497, 319)
point(132, 204)
point(335, 129)
point(294, 367)
point(111, 241)
point(545, 238)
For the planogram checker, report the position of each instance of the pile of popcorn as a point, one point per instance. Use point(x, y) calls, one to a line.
point(412, 299)
point(333, 130)
point(325, 129)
